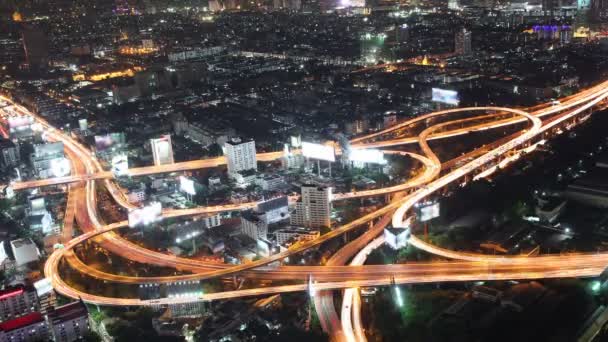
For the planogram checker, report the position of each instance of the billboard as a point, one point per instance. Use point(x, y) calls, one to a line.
point(296, 141)
point(367, 156)
point(396, 238)
point(104, 142)
point(60, 167)
point(445, 96)
point(120, 165)
point(427, 211)
point(83, 124)
point(318, 151)
point(19, 122)
point(37, 205)
point(263, 247)
point(162, 150)
point(186, 185)
point(146, 215)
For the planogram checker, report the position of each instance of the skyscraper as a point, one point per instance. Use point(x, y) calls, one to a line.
point(462, 42)
point(314, 208)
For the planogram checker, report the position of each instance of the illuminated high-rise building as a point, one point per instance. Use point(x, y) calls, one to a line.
point(240, 156)
point(314, 208)
point(35, 45)
point(462, 43)
point(599, 8)
point(162, 150)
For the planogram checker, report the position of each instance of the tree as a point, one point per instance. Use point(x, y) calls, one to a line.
point(91, 337)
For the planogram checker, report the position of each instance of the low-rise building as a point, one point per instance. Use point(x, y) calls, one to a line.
point(276, 209)
point(272, 182)
point(254, 225)
point(31, 327)
point(244, 178)
point(9, 153)
point(48, 159)
point(69, 322)
point(296, 234)
point(17, 301)
point(24, 251)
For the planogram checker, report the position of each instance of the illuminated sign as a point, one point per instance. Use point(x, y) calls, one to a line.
point(427, 211)
point(19, 122)
point(11, 294)
point(186, 185)
point(162, 151)
point(296, 141)
point(37, 205)
point(263, 248)
point(83, 124)
point(104, 142)
point(367, 156)
point(396, 238)
point(445, 96)
point(60, 167)
point(146, 215)
point(318, 151)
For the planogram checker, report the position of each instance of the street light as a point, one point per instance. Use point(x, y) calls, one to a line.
point(398, 296)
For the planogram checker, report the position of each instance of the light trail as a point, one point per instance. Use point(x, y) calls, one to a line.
point(514, 269)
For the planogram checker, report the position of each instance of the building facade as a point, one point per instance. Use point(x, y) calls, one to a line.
point(240, 156)
point(69, 322)
point(17, 301)
point(314, 207)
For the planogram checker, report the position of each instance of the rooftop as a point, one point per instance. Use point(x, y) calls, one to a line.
point(68, 312)
point(24, 321)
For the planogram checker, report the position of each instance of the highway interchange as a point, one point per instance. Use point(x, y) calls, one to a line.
point(432, 178)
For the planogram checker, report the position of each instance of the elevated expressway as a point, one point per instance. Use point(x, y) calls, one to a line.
point(328, 277)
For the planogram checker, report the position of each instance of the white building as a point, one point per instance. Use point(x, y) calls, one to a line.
point(254, 225)
point(314, 207)
point(276, 209)
point(270, 182)
point(244, 178)
point(48, 160)
point(31, 327)
point(162, 150)
point(292, 161)
point(240, 156)
point(69, 322)
point(17, 301)
point(4, 259)
point(212, 221)
point(299, 234)
point(24, 251)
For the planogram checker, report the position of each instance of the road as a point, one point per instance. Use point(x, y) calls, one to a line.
point(472, 266)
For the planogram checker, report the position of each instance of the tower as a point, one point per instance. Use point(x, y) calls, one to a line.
point(462, 42)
